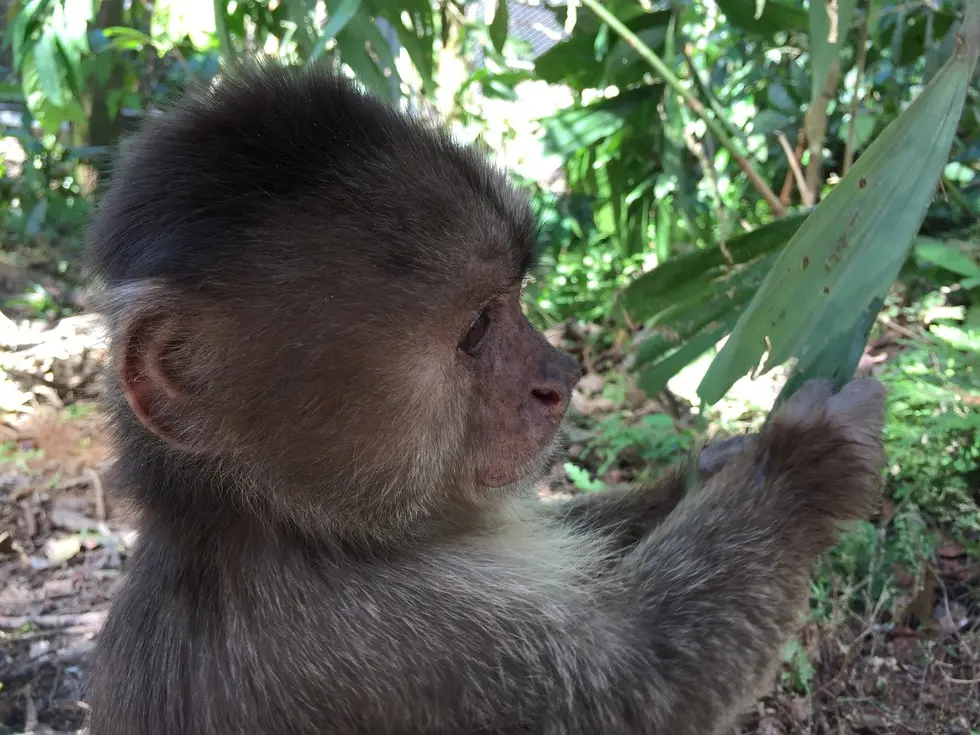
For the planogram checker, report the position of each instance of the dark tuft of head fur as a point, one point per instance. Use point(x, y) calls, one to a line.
point(205, 186)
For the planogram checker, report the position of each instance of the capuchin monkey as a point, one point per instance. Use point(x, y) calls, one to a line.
point(330, 411)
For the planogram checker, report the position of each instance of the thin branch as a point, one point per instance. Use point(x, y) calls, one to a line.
point(862, 53)
point(703, 90)
point(805, 194)
point(716, 128)
point(787, 191)
point(816, 128)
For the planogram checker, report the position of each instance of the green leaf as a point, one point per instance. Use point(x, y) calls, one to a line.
point(652, 380)
point(864, 127)
point(579, 127)
point(127, 38)
point(946, 256)
point(498, 25)
point(699, 310)
point(24, 18)
point(414, 24)
point(351, 43)
point(339, 14)
point(380, 45)
point(221, 24)
point(838, 360)
point(775, 17)
point(769, 121)
point(622, 57)
point(581, 479)
point(657, 289)
point(45, 54)
point(576, 61)
point(850, 249)
point(664, 218)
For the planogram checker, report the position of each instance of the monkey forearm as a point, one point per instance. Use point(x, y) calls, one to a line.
point(722, 580)
point(626, 514)
point(629, 513)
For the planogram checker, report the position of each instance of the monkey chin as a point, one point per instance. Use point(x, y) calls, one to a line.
point(529, 473)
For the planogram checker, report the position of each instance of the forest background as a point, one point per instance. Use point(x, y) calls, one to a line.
point(687, 161)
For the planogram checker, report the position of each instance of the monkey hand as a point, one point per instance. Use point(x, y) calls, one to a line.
point(825, 449)
point(714, 456)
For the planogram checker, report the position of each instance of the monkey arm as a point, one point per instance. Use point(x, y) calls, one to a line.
point(624, 514)
point(627, 514)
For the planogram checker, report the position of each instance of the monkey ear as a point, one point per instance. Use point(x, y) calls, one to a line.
point(145, 371)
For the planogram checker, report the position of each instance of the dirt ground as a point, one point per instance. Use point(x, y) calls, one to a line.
point(64, 545)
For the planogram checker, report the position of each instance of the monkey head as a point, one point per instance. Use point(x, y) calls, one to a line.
point(319, 295)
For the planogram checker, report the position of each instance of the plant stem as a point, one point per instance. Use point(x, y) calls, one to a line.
point(862, 50)
point(716, 128)
point(225, 47)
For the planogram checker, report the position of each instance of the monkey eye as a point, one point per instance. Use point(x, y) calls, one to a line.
point(476, 333)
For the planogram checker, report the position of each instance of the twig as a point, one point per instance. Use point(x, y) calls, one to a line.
point(816, 128)
point(707, 167)
point(30, 520)
point(716, 128)
point(805, 194)
point(706, 93)
point(30, 714)
point(66, 620)
point(98, 491)
point(787, 191)
point(862, 53)
point(954, 680)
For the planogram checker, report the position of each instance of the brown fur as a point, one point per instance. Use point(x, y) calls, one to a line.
point(338, 530)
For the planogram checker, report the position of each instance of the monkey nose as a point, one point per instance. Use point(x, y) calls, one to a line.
point(551, 395)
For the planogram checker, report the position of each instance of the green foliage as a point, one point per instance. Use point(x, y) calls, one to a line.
point(17, 459)
point(582, 479)
point(649, 442)
point(572, 282)
point(798, 672)
point(662, 190)
point(933, 427)
point(44, 206)
point(934, 460)
point(856, 240)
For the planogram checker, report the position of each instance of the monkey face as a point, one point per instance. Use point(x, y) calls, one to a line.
point(521, 387)
point(326, 303)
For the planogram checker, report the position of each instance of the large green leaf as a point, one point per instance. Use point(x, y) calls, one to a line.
point(947, 256)
point(658, 289)
point(698, 310)
point(850, 249)
point(23, 18)
point(838, 360)
point(653, 379)
point(47, 63)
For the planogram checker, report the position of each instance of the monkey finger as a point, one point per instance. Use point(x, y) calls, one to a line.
point(713, 457)
point(804, 405)
point(860, 405)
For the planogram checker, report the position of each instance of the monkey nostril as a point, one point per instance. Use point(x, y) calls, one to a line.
point(550, 398)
